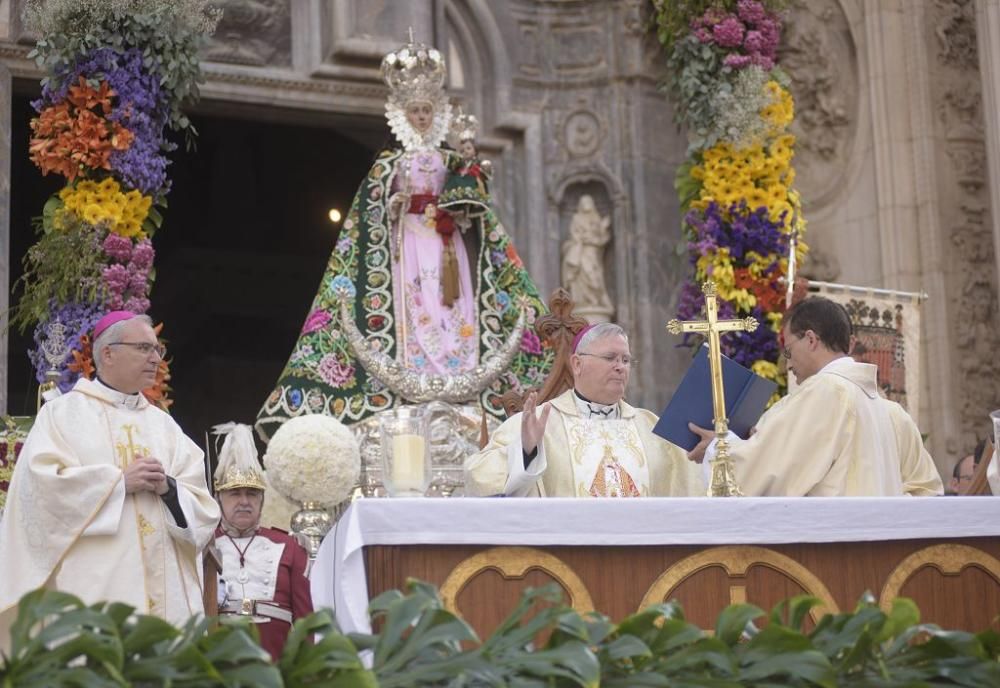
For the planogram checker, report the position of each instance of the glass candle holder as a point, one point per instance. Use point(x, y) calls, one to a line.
point(406, 469)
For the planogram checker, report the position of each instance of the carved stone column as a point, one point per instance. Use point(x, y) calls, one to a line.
point(909, 229)
point(988, 34)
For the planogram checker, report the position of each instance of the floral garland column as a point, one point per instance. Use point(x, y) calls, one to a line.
point(118, 73)
point(736, 187)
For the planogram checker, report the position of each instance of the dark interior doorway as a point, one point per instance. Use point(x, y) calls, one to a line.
point(244, 244)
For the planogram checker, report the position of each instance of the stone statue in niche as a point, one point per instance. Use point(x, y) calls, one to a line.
point(583, 262)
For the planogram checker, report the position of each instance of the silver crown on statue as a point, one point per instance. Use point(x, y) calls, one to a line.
point(414, 72)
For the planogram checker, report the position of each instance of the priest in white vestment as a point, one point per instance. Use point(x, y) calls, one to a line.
point(834, 435)
point(108, 500)
point(586, 442)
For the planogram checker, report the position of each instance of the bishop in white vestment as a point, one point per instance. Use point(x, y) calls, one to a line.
point(108, 500)
point(587, 442)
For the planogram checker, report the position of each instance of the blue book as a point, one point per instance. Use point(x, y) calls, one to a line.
point(746, 398)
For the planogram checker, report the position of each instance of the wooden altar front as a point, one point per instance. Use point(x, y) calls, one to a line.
point(618, 556)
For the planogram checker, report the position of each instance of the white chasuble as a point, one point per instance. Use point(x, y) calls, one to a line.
point(582, 455)
point(70, 526)
point(607, 458)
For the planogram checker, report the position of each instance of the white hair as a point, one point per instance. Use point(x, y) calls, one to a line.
point(112, 335)
point(600, 332)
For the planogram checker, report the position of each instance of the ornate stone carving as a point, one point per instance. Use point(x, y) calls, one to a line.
point(528, 49)
point(583, 261)
point(819, 55)
point(252, 32)
point(582, 133)
point(577, 51)
point(955, 29)
point(820, 265)
point(978, 335)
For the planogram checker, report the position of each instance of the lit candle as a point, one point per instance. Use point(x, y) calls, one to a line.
point(408, 463)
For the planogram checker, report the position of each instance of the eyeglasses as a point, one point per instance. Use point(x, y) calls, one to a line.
point(145, 348)
point(786, 350)
point(611, 359)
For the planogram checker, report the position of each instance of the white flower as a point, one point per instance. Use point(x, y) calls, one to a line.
point(313, 458)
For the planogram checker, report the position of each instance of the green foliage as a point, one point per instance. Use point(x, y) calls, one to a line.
point(59, 641)
point(422, 644)
point(65, 265)
point(169, 33)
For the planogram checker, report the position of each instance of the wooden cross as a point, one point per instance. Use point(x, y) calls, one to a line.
point(725, 485)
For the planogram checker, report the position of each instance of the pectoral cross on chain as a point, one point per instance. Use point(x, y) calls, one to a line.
point(723, 481)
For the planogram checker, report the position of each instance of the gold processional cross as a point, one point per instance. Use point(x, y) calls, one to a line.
point(723, 483)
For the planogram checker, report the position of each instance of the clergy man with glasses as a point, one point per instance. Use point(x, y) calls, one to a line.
point(587, 442)
point(834, 435)
point(108, 500)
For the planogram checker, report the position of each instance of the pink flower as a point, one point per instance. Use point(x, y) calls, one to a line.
point(142, 254)
point(754, 42)
point(751, 11)
point(115, 302)
point(736, 61)
point(116, 278)
point(137, 284)
point(333, 371)
point(317, 320)
point(703, 35)
point(770, 32)
point(729, 32)
point(118, 247)
point(137, 305)
point(530, 342)
point(762, 61)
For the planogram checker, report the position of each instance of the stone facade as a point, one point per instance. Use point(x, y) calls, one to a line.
point(894, 156)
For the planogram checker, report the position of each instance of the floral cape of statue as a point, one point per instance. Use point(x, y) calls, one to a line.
point(322, 374)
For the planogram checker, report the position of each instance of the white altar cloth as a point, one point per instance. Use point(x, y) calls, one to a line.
point(338, 574)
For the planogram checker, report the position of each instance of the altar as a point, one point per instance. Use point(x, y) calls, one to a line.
point(617, 556)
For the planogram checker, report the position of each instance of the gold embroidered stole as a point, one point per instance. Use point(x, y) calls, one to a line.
point(606, 457)
point(151, 529)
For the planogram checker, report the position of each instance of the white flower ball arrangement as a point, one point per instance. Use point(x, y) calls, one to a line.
point(313, 458)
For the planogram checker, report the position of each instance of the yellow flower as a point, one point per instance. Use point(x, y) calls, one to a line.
point(774, 320)
point(93, 214)
point(765, 369)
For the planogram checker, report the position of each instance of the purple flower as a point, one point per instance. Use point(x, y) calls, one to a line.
point(754, 42)
point(530, 343)
point(751, 11)
point(729, 32)
point(747, 347)
point(117, 247)
point(737, 61)
point(703, 35)
point(691, 301)
point(762, 61)
point(116, 278)
point(137, 304)
point(140, 105)
point(138, 283)
point(770, 32)
point(333, 372)
point(142, 254)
